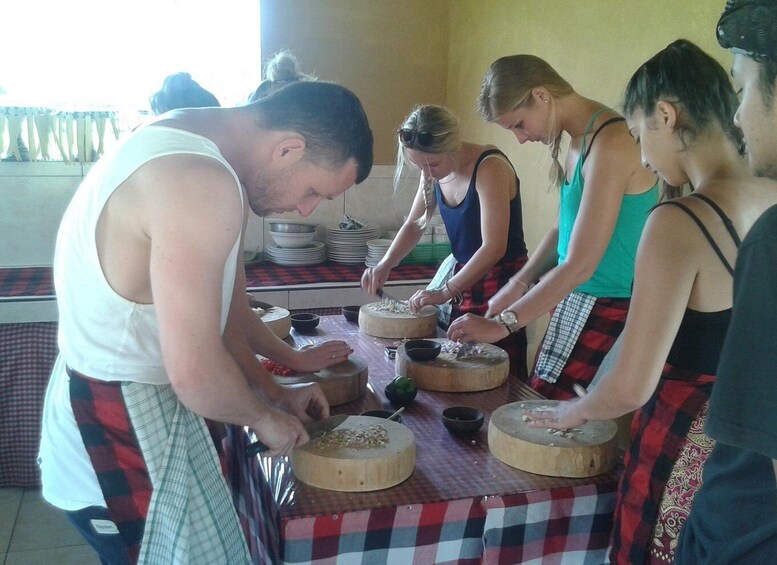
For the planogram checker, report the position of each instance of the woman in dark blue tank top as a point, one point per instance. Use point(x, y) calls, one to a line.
point(478, 193)
point(680, 107)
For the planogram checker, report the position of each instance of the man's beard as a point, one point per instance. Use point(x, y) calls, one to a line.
point(260, 198)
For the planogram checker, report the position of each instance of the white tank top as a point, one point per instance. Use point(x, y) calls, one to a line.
point(101, 334)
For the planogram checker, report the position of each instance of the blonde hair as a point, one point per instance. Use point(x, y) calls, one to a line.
point(446, 139)
point(508, 85)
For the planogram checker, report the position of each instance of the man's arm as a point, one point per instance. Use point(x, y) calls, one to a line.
point(190, 239)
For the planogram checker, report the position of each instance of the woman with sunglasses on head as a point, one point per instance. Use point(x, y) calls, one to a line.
point(583, 268)
point(680, 107)
point(478, 194)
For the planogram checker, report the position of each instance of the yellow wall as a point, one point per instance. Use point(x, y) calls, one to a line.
point(595, 44)
point(392, 53)
point(398, 53)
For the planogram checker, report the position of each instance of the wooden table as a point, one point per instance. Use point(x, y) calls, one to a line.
point(460, 505)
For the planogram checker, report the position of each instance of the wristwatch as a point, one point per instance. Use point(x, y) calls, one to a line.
point(509, 320)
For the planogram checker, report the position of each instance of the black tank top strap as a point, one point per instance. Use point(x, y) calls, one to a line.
point(600, 128)
point(488, 153)
point(726, 220)
point(704, 230)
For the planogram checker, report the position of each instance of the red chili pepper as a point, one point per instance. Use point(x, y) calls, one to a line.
point(277, 368)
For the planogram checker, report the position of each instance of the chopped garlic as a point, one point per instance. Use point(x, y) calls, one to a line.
point(365, 437)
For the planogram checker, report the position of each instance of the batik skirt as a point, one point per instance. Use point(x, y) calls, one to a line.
point(662, 469)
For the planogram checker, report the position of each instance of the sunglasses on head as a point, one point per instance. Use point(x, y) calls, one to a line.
point(422, 138)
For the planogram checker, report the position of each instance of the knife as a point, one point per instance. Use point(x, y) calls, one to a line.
point(314, 429)
point(383, 295)
point(254, 303)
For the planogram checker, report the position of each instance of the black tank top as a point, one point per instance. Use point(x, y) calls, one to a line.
point(699, 339)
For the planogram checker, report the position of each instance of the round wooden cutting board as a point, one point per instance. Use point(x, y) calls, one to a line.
point(350, 469)
point(448, 374)
point(380, 323)
point(590, 449)
point(341, 383)
point(278, 320)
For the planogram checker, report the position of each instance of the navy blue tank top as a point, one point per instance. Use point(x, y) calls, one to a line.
point(463, 221)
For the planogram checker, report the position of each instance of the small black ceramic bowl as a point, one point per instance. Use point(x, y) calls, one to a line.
point(422, 349)
point(462, 419)
point(351, 313)
point(304, 322)
point(381, 414)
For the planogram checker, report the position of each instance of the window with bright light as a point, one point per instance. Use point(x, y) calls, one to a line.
point(116, 53)
point(70, 68)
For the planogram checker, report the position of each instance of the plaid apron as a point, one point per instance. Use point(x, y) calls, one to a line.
point(660, 432)
point(577, 343)
point(476, 302)
point(159, 473)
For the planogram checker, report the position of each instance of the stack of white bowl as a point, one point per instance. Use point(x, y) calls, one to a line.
point(294, 244)
point(349, 246)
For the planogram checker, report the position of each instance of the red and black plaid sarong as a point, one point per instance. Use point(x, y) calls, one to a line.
point(658, 432)
point(603, 326)
point(104, 423)
point(476, 302)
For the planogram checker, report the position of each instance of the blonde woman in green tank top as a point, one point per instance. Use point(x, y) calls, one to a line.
point(583, 267)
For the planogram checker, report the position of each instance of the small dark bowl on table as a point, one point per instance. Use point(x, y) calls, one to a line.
point(422, 349)
point(462, 419)
point(400, 397)
point(351, 313)
point(304, 322)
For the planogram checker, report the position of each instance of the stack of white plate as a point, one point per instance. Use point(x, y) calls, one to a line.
point(311, 254)
point(376, 249)
point(349, 246)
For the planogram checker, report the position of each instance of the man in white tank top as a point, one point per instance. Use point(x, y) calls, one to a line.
point(155, 330)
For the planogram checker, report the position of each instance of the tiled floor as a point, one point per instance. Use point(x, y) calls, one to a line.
point(32, 532)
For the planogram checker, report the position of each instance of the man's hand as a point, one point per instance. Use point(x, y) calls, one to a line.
point(305, 401)
point(279, 431)
point(312, 358)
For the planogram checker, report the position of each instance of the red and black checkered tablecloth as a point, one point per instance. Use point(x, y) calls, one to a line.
point(269, 274)
point(27, 281)
point(460, 505)
point(38, 281)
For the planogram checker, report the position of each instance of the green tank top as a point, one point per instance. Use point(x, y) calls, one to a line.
point(615, 272)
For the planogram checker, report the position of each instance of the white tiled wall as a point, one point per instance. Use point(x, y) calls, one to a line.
point(33, 197)
point(372, 201)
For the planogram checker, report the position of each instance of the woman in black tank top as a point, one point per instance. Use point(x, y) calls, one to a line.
point(680, 107)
